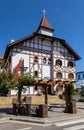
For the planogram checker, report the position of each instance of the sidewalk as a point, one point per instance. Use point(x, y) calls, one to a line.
point(55, 114)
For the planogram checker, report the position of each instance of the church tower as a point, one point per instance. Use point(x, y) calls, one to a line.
point(45, 27)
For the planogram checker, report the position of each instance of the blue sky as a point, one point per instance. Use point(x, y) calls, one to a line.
point(19, 18)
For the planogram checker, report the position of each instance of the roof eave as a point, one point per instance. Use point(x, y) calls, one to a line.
point(16, 42)
point(77, 57)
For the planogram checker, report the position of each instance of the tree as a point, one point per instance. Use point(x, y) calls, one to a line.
point(24, 80)
point(7, 81)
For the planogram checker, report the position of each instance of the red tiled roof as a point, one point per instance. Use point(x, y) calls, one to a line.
point(1, 57)
point(44, 23)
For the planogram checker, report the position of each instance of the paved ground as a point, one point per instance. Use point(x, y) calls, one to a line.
point(17, 125)
point(55, 114)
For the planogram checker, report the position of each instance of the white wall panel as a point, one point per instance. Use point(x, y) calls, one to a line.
point(35, 67)
point(32, 60)
point(46, 71)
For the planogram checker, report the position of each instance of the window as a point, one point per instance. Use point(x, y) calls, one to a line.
point(44, 60)
point(70, 76)
point(49, 61)
point(35, 59)
point(83, 76)
point(70, 64)
point(59, 62)
point(59, 75)
point(36, 88)
point(36, 73)
point(78, 77)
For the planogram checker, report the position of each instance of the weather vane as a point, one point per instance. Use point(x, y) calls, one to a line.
point(44, 12)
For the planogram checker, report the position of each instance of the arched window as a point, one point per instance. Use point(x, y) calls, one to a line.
point(59, 75)
point(70, 76)
point(59, 62)
point(44, 60)
point(70, 64)
point(35, 59)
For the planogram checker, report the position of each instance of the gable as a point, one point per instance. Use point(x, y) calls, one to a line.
point(36, 38)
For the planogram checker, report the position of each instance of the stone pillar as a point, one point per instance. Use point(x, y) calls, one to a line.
point(73, 108)
point(43, 111)
point(28, 109)
point(15, 108)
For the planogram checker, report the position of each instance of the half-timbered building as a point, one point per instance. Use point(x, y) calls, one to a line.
point(42, 55)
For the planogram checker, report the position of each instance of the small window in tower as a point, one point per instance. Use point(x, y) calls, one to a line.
point(36, 73)
point(44, 60)
point(35, 59)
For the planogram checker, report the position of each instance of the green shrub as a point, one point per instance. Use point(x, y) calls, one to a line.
point(43, 90)
point(82, 93)
point(75, 92)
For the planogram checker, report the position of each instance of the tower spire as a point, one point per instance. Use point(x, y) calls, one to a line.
point(44, 26)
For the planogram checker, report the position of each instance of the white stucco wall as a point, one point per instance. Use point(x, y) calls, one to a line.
point(16, 57)
point(46, 71)
point(46, 32)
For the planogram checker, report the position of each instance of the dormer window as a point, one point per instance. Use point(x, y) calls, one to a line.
point(35, 59)
point(58, 62)
point(70, 64)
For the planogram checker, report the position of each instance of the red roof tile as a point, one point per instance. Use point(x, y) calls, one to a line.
point(1, 57)
point(44, 23)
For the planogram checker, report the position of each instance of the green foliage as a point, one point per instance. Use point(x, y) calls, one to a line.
point(23, 80)
point(43, 90)
point(75, 92)
point(82, 93)
point(7, 82)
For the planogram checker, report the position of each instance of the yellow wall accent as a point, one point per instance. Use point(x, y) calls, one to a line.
point(34, 100)
point(41, 99)
point(6, 101)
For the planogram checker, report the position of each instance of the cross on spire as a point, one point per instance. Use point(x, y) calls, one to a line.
point(44, 12)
